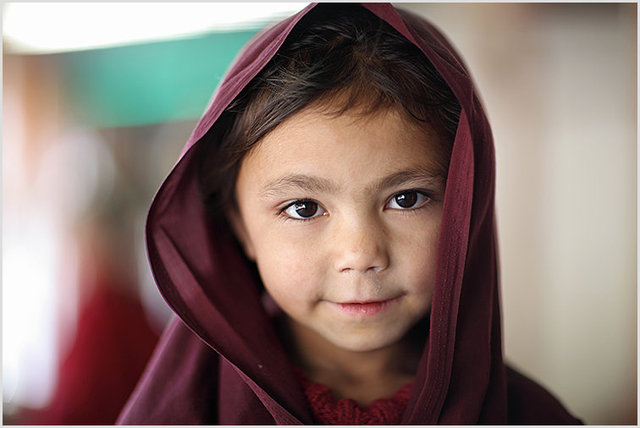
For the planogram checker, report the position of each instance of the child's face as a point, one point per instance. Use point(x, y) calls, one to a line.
point(342, 215)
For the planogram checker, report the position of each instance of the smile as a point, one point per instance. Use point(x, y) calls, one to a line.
point(367, 308)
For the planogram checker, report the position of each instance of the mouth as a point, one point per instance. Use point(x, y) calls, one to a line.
point(365, 308)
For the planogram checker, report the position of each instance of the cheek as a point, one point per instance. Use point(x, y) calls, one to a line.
point(290, 268)
point(419, 254)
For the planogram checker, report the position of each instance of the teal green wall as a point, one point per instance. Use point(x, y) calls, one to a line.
point(148, 83)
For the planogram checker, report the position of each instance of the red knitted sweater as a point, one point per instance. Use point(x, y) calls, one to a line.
point(329, 410)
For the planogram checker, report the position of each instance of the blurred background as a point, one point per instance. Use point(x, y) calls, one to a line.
point(98, 100)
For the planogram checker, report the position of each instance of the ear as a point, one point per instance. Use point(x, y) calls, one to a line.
point(240, 231)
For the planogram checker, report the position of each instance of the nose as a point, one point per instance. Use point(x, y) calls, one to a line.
point(361, 246)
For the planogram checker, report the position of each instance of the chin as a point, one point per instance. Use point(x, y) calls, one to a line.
point(366, 343)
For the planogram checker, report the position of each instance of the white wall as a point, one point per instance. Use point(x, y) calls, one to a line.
point(559, 85)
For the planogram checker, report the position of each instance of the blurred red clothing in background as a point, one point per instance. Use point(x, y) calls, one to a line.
point(114, 340)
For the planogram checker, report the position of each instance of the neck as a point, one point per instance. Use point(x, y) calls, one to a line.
point(361, 375)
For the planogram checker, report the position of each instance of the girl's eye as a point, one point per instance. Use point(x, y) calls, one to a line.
point(410, 199)
point(303, 210)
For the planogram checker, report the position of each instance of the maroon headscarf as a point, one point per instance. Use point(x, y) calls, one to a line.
point(220, 361)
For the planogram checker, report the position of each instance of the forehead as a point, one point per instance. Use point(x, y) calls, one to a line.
point(349, 150)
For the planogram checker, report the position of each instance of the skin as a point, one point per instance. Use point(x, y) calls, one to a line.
point(342, 216)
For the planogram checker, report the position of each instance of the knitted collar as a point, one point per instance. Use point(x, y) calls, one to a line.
point(329, 410)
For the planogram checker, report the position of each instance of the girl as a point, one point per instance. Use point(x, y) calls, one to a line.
point(327, 240)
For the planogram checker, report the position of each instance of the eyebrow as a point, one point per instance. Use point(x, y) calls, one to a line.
point(421, 174)
point(313, 184)
point(305, 183)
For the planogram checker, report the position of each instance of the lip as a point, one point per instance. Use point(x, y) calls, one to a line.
point(365, 308)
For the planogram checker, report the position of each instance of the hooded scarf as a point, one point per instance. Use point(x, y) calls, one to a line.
point(220, 360)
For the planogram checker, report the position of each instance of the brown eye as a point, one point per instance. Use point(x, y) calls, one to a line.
point(406, 200)
point(303, 210)
point(306, 209)
point(409, 199)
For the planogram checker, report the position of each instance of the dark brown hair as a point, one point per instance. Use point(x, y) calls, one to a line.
point(342, 58)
